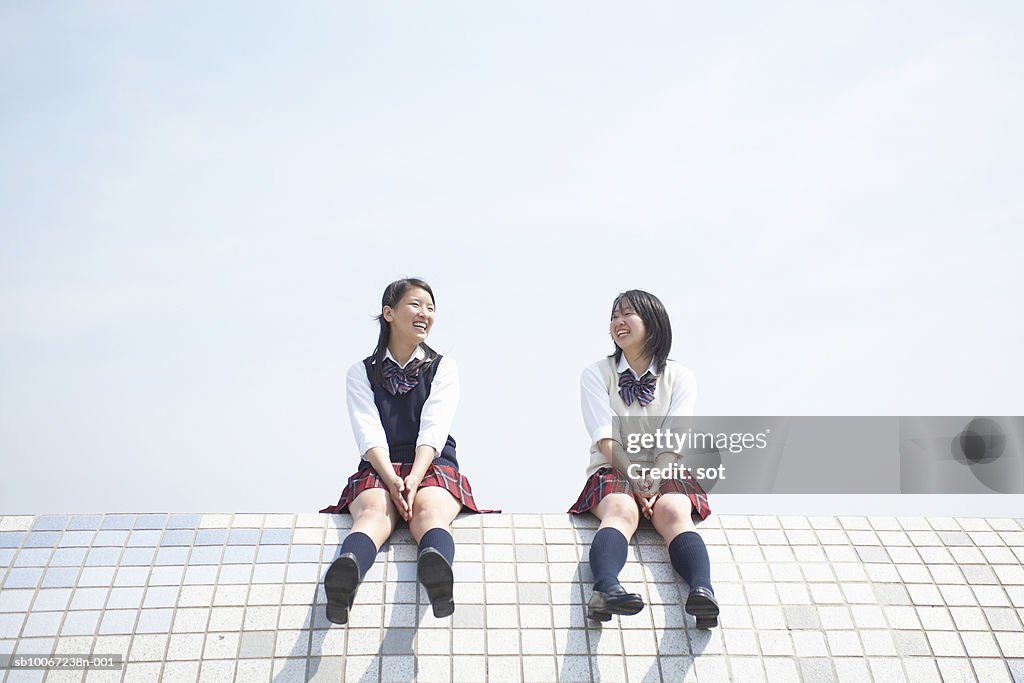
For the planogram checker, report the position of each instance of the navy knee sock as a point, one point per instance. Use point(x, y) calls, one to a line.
point(363, 547)
point(607, 557)
point(690, 558)
point(440, 540)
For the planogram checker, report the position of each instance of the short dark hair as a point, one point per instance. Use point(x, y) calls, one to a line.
point(393, 293)
point(655, 317)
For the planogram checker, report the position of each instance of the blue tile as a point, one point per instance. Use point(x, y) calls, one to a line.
point(110, 538)
point(161, 596)
point(33, 557)
point(118, 522)
point(206, 555)
point(329, 553)
point(42, 539)
point(10, 626)
point(52, 600)
point(305, 553)
point(276, 537)
point(118, 621)
point(60, 577)
point(11, 539)
point(211, 537)
point(243, 537)
point(272, 553)
point(80, 623)
point(102, 557)
point(76, 539)
point(150, 521)
point(155, 621)
point(23, 577)
point(144, 539)
point(6, 557)
point(201, 576)
point(68, 557)
point(183, 522)
point(138, 557)
point(88, 598)
point(125, 598)
point(178, 537)
point(85, 523)
point(50, 523)
point(171, 556)
point(239, 555)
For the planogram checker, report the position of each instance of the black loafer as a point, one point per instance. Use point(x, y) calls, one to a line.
point(436, 575)
point(603, 604)
point(340, 584)
point(702, 604)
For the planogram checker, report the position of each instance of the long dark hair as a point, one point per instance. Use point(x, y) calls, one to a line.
point(393, 293)
point(655, 317)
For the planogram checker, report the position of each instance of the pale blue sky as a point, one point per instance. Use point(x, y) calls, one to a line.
point(200, 206)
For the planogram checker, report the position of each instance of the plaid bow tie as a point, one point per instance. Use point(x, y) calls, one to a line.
point(400, 380)
point(641, 390)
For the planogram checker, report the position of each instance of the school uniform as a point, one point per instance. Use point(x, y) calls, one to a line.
point(412, 407)
point(610, 389)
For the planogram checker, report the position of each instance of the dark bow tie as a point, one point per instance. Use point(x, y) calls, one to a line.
point(400, 380)
point(641, 390)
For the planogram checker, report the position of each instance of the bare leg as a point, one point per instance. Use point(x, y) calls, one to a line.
point(433, 507)
point(618, 511)
point(672, 516)
point(374, 514)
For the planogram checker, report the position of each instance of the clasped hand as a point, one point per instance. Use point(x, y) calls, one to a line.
point(403, 494)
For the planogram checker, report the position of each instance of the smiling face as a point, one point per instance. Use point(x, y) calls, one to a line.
point(411, 317)
point(627, 328)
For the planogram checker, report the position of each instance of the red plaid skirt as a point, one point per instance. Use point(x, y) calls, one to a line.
point(444, 476)
point(608, 480)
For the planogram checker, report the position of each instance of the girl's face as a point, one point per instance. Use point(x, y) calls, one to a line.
point(627, 328)
point(412, 317)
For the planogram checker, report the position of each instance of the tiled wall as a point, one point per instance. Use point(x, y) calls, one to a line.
point(215, 597)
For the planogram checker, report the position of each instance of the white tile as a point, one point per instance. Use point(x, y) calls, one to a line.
point(502, 641)
point(182, 646)
point(468, 641)
point(775, 643)
point(740, 643)
point(215, 521)
point(469, 668)
point(148, 648)
point(991, 670)
point(221, 646)
point(851, 670)
point(747, 668)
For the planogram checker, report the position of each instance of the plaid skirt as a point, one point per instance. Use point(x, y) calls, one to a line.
point(609, 480)
point(448, 478)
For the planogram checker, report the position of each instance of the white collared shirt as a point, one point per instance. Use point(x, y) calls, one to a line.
point(596, 404)
point(435, 419)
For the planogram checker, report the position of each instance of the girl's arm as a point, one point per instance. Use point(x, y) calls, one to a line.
point(369, 432)
point(439, 410)
point(435, 425)
point(598, 417)
point(684, 395)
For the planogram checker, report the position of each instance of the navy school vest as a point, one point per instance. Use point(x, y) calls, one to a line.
point(400, 416)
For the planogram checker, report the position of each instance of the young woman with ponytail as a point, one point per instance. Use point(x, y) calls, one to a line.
point(401, 401)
